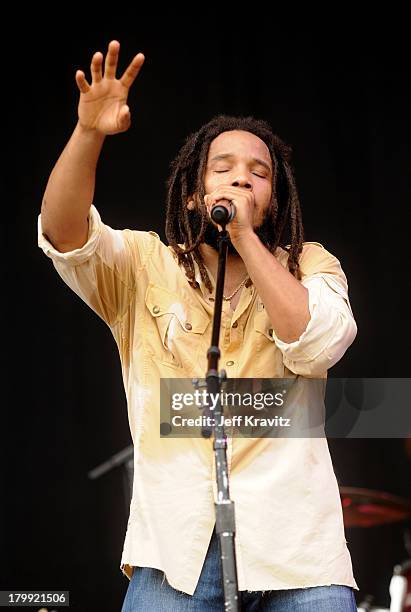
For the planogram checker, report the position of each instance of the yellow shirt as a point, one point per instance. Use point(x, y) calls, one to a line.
point(289, 526)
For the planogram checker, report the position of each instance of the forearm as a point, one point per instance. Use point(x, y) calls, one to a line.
point(70, 190)
point(284, 297)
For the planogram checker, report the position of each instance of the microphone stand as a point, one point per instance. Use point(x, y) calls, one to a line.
point(124, 459)
point(224, 507)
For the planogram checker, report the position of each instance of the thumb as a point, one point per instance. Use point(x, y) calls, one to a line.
point(124, 118)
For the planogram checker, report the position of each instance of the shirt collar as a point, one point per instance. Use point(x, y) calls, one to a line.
point(249, 287)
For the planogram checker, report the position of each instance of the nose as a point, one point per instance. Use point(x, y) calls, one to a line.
point(242, 181)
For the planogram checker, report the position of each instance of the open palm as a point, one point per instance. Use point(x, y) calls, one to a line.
point(103, 103)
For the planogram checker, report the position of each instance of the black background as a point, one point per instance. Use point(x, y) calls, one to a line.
point(342, 100)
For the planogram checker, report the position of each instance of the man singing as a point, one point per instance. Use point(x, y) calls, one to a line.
point(286, 313)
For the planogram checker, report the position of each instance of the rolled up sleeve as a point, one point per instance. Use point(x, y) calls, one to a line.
point(332, 327)
point(77, 256)
point(105, 270)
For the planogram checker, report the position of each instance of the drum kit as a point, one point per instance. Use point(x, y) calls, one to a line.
point(369, 508)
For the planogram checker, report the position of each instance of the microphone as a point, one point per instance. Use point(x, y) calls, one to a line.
point(221, 215)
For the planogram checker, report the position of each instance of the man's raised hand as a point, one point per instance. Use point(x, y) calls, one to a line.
point(103, 103)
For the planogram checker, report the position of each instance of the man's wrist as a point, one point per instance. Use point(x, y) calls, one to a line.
point(90, 133)
point(245, 241)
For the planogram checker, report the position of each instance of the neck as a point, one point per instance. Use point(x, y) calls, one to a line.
point(235, 267)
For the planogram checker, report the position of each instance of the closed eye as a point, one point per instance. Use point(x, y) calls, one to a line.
point(255, 173)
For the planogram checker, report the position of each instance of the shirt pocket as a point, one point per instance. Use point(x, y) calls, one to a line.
point(268, 357)
point(178, 325)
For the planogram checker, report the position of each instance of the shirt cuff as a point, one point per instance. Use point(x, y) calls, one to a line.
point(77, 256)
point(331, 319)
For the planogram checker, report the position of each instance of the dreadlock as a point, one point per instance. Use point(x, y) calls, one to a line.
point(187, 178)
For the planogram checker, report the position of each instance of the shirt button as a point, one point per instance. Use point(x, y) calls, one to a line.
point(156, 309)
point(211, 299)
point(188, 325)
point(229, 363)
point(235, 324)
point(270, 332)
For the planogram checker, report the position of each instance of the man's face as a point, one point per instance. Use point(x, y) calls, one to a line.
point(242, 160)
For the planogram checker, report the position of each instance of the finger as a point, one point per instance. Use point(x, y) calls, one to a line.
point(96, 67)
point(132, 70)
point(81, 82)
point(217, 198)
point(124, 118)
point(233, 195)
point(230, 192)
point(110, 65)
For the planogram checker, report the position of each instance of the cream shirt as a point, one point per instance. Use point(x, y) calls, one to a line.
point(289, 526)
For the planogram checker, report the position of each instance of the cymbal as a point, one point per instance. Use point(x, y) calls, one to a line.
point(369, 508)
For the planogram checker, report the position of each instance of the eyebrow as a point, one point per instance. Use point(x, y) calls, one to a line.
point(231, 155)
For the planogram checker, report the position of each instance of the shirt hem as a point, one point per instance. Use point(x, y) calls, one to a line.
point(128, 569)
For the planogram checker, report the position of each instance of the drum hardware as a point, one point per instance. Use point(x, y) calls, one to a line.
point(370, 508)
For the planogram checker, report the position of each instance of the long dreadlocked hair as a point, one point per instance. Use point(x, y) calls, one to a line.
point(187, 178)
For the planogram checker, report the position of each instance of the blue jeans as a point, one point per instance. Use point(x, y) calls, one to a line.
point(149, 591)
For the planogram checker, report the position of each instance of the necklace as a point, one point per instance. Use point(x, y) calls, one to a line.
point(243, 282)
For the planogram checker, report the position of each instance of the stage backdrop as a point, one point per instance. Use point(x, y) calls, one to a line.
point(342, 100)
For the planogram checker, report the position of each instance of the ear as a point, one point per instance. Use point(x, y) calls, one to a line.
point(191, 202)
